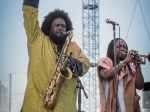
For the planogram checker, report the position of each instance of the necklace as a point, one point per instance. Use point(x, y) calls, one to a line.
point(54, 46)
point(56, 51)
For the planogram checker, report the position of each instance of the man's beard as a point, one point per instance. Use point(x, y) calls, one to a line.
point(58, 40)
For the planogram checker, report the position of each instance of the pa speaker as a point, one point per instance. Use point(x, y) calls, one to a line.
point(146, 96)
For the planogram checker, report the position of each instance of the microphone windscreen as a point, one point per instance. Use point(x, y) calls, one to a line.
point(107, 20)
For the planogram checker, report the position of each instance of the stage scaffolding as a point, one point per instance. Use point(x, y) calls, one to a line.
point(91, 50)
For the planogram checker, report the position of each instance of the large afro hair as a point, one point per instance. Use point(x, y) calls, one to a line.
point(57, 13)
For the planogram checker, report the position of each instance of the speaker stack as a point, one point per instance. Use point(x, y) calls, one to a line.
point(146, 96)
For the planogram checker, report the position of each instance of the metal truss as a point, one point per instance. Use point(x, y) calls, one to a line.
point(91, 50)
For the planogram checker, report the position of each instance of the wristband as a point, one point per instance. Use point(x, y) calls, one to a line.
point(121, 62)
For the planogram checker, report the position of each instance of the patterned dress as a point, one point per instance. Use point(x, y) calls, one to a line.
point(42, 61)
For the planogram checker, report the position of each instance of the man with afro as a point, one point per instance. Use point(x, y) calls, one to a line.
point(44, 48)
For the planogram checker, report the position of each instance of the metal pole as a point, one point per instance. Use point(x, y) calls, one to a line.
point(10, 82)
point(0, 96)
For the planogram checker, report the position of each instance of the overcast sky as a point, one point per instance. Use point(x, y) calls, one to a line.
point(13, 48)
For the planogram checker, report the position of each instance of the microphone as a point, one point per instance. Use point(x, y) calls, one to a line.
point(65, 64)
point(112, 22)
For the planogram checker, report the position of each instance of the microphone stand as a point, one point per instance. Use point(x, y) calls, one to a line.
point(115, 67)
point(79, 85)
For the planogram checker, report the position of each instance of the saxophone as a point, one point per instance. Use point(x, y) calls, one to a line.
point(57, 80)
